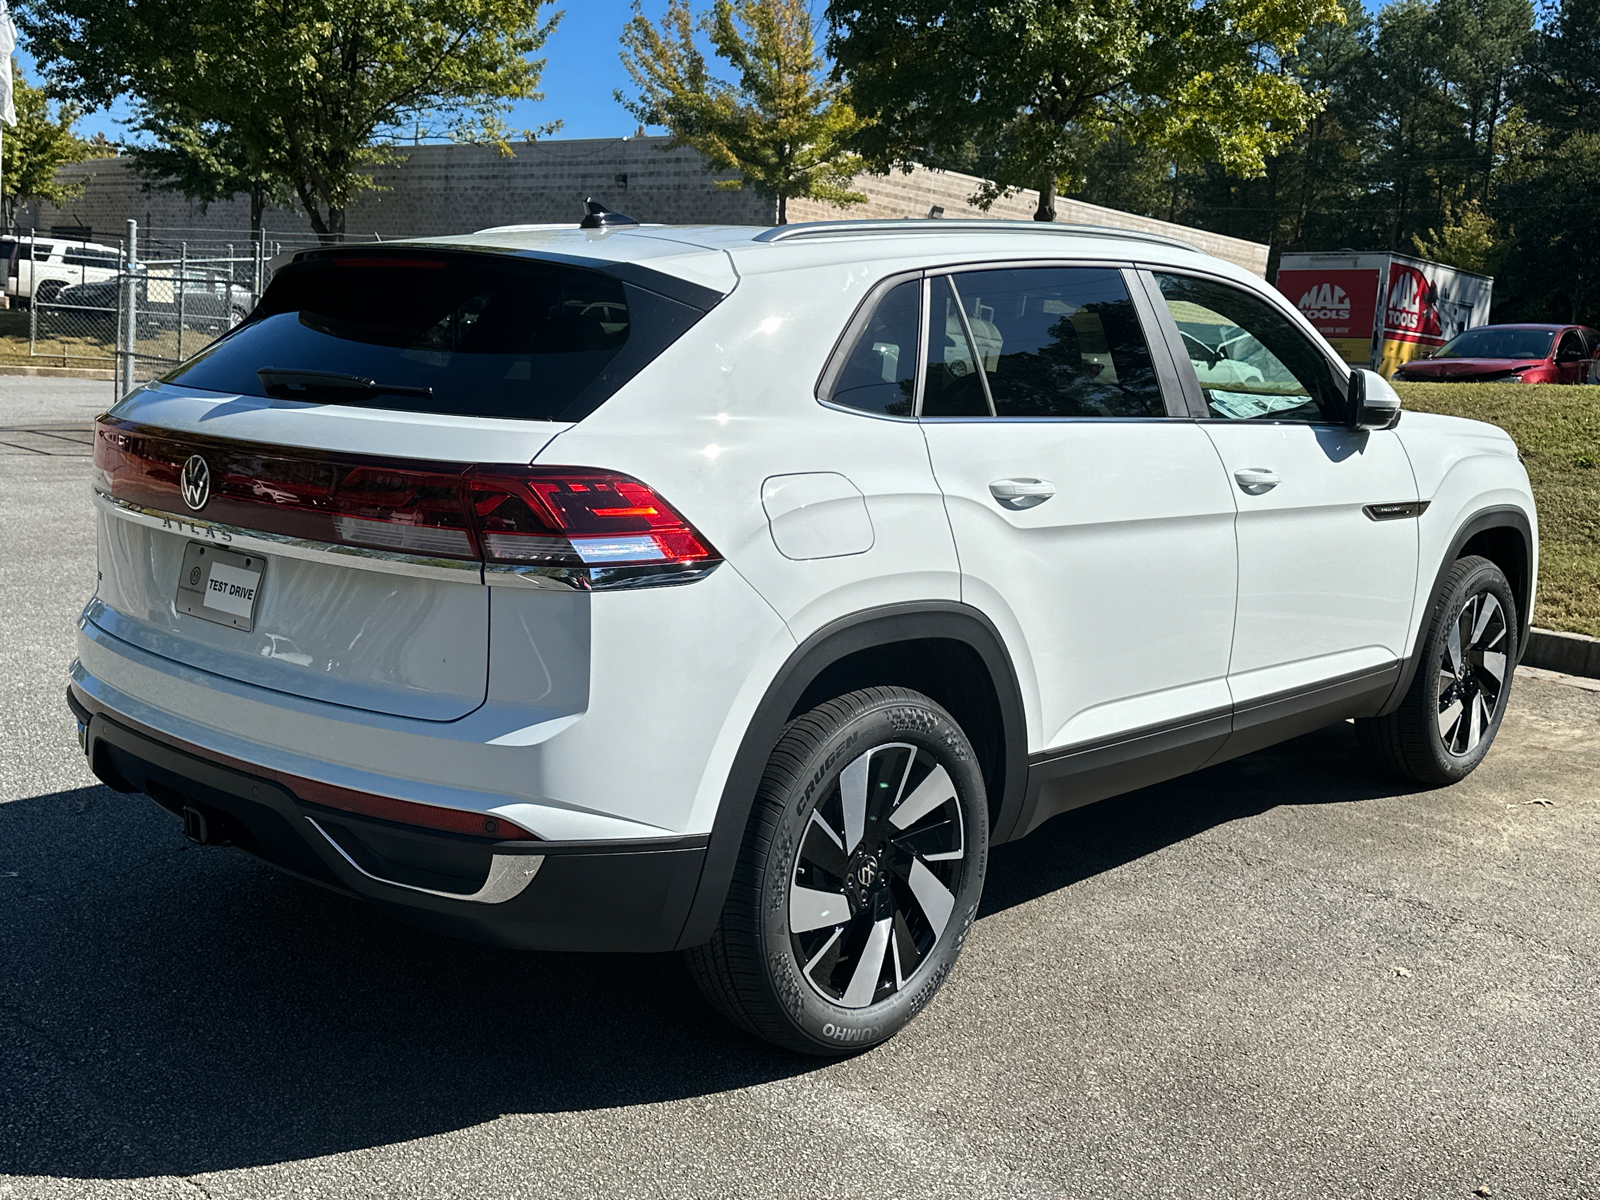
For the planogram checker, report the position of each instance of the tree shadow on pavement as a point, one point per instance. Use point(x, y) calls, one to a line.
point(172, 1010)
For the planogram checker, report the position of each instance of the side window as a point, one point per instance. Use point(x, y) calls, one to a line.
point(1059, 342)
point(953, 382)
point(83, 256)
point(1251, 361)
point(880, 372)
point(1571, 348)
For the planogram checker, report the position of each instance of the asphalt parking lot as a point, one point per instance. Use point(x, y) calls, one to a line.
point(1283, 977)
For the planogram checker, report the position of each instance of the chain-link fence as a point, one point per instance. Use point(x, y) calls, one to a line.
point(153, 300)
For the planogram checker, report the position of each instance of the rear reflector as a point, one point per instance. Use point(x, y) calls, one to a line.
point(590, 527)
point(408, 812)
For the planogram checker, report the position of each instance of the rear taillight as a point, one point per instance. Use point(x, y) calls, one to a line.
point(590, 528)
point(554, 516)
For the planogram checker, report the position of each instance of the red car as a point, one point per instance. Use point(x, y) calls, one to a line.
point(1510, 354)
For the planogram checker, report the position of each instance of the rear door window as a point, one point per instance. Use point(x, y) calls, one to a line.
point(1059, 342)
point(463, 334)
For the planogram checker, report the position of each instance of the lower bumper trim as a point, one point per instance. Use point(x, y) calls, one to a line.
point(581, 896)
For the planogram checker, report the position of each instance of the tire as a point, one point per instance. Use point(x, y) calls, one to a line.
point(902, 871)
point(1453, 709)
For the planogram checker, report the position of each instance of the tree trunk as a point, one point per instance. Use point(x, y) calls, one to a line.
point(783, 209)
point(258, 202)
point(336, 223)
point(308, 201)
point(1047, 199)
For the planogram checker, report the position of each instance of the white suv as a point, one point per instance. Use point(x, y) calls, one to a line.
point(643, 588)
point(39, 268)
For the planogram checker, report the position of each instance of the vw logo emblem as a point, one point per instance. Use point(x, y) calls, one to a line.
point(867, 873)
point(196, 482)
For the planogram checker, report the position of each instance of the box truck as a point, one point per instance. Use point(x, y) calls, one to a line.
point(1380, 310)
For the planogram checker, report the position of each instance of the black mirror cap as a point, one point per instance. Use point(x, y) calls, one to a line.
point(598, 216)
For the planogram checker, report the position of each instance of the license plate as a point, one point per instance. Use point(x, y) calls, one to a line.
point(220, 585)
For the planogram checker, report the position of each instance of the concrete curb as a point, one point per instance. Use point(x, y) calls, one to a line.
point(1569, 653)
point(106, 374)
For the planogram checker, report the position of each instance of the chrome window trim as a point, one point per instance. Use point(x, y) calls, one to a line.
point(390, 562)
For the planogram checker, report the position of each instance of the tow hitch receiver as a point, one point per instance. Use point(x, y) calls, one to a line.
point(206, 828)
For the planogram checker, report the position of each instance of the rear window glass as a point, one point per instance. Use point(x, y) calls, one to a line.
point(461, 334)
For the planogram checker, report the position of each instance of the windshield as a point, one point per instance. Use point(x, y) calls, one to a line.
point(1490, 342)
point(463, 334)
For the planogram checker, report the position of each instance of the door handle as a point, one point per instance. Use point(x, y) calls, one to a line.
point(1256, 481)
point(1021, 493)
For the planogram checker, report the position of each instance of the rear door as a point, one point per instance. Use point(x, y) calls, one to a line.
point(1327, 536)
point(1091, 519)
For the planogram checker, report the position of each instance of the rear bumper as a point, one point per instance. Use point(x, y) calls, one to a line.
point(538, 895)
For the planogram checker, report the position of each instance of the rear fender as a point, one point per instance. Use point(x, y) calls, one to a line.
point(880, 627)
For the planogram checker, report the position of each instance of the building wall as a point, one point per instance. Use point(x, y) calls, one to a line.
point(917, 193)
point(449, 189)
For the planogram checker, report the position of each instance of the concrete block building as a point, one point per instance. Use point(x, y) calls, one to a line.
point(443, 189)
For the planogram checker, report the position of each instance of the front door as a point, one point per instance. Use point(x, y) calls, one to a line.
point(1092, 525)
point(1326, 527)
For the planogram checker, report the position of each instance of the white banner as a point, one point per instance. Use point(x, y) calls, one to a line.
point(8, 43)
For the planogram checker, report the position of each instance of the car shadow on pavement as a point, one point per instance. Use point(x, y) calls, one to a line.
point(1325, 767)
point(166, 1009)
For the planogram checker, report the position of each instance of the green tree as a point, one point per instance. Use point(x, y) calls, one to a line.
point(1550, 200)
point(304, 88)
point(31, 152)
point(205, 161)
point(1037, 85)
point(1485, 53)
point(1468, 239)
point(784, 126)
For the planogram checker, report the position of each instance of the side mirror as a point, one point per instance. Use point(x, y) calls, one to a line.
point(1371, 402)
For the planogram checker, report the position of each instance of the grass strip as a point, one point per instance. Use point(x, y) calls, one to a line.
point(1557, 429)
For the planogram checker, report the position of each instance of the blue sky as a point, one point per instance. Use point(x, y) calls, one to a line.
point(581, 72)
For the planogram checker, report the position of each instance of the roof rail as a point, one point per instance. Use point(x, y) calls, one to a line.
point(892, 226)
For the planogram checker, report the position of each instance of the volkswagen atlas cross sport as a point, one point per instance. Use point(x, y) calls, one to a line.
point(734, 591)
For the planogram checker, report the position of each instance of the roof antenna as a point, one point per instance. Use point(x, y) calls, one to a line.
point(598, 216)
